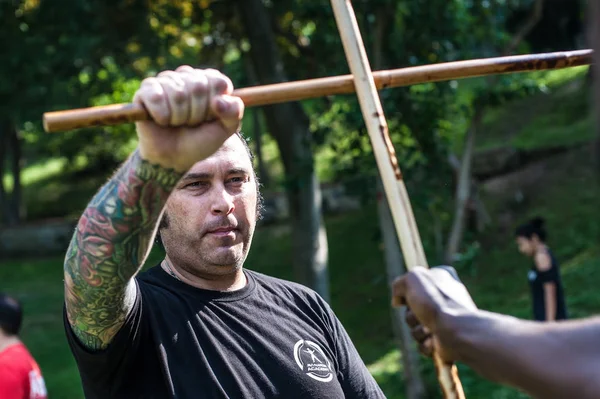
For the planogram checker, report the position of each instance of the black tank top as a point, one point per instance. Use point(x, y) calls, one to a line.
point(536, 282)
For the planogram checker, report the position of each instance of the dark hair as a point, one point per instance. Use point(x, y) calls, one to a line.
point(534, 226)
point(11, 315)
point(260, 200)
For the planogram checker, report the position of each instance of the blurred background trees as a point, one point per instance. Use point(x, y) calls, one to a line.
point(478, 155)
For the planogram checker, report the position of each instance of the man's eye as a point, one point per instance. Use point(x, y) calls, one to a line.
point(237, 179)
point(195, 184)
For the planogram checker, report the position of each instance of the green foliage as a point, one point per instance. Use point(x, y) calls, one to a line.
point(83, 59)
point(558, 116)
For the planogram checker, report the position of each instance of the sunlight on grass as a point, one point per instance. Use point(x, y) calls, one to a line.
point(388, 364)
point(552, 131)
point(387, 371)
point(43, 170)
point(37, 172)
point(558, 117)
point(558, 77)
point(579, 260)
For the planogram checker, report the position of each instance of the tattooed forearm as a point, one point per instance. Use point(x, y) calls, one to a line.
point(110, 244)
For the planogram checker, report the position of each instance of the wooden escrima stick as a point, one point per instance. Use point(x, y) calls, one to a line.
point(387, 163)
point(313, 88)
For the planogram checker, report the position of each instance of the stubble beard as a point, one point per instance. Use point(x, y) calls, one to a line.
point(204, 259)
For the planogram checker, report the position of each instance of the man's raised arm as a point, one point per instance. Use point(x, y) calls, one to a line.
point(193, 113)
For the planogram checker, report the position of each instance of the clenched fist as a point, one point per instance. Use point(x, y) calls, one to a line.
point(433, 296)
point(192, 112)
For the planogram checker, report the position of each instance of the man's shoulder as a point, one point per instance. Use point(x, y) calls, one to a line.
point(15, 357)
point(278, 282)
point(283, 287)
point(148, 273)
point(153, 278)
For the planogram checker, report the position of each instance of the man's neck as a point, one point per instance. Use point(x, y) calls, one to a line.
point(232, 282)
point(6, 341)
point(541, 248)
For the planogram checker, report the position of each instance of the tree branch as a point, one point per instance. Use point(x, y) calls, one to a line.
point(526, 28)
point(292, 39)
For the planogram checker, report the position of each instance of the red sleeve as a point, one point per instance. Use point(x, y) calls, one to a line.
point(12, 383)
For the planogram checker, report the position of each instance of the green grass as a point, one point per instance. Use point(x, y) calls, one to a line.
point(558, 117)
point(37, 172)
point(559, 77)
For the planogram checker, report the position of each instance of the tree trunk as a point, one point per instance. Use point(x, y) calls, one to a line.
point(438, 235)
point(257, 129)
point(290, 126)
point(16, 206)
point(263, 173)
point(11, 149)
point(3, 193)
point(482, 216)
point(415, 388)
point(413, 381)
point(463, 190)
point(537, 11)
point(594, 40)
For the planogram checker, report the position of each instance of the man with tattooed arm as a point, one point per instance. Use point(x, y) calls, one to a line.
point(198, 324)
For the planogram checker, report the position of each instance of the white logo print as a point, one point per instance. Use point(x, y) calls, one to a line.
point(312, 360)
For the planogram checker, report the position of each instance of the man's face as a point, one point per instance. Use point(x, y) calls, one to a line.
point(211, 214)
point(525, 246)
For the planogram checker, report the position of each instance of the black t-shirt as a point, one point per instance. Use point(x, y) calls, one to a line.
point(270, 339)
point(536, 282)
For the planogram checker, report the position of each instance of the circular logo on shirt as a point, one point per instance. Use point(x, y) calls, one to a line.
point(312, 360)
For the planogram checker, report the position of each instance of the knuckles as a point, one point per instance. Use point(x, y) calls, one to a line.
point(184, 68)
point(155, 96)
point(179, 96)
point(198, 87)
point(173, 90)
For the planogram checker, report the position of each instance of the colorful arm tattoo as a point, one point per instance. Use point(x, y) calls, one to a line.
point(111, 243)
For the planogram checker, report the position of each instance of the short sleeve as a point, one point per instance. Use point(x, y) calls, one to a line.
point(353, 375)
point(105, 368)
point(12, 383)
point(548, 276)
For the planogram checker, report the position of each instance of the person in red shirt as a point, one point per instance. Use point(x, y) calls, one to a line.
point(20, 376)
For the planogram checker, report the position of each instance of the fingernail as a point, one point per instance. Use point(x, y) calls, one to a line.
point(222, 105)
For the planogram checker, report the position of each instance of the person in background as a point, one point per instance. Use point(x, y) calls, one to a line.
point(20, 376)
point(544, 277)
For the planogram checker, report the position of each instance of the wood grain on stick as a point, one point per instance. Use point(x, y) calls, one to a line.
point(313, 88)
point(387, 163)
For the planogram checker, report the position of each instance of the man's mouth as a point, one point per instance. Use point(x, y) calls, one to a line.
point(223, 231)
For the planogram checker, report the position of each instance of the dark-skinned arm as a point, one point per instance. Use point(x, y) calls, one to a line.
point(112, 240)
point(545, 360)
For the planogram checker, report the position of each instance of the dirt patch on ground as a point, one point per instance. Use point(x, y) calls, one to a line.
point(532, 177)
point(513, 193)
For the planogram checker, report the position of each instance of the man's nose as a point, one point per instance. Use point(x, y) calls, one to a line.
point(222, 202)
